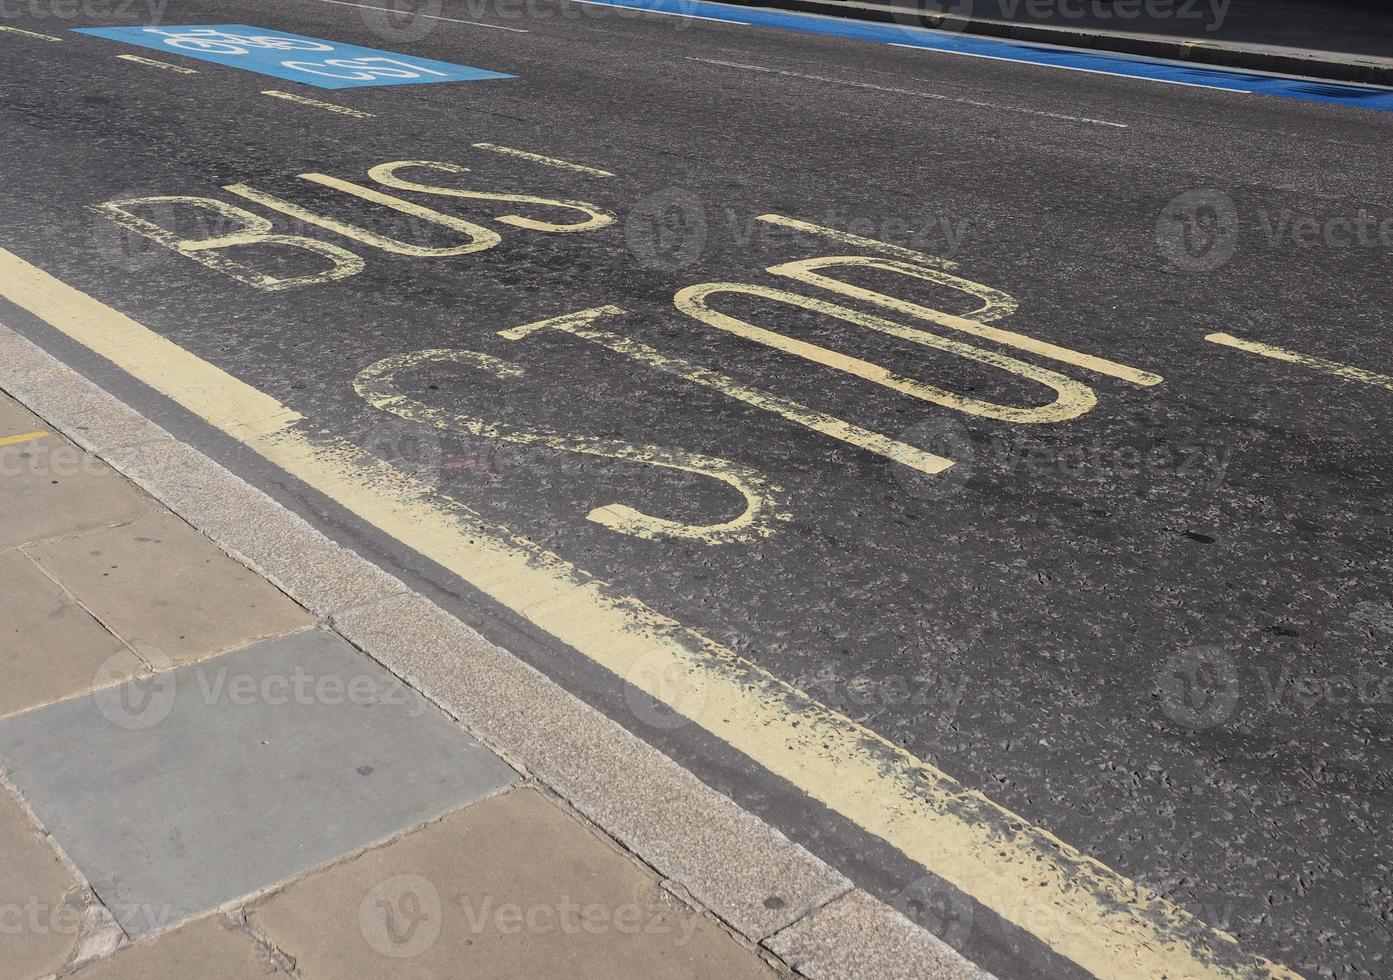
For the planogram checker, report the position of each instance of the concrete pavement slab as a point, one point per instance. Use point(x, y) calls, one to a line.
point(15, 418)
point(751, 875)
point(512, 887)
point(321, 575)
point(50, 647)
point(211, 947)
point(181, 792)
point(159, 583)
point(39, 920)
point(48, 486)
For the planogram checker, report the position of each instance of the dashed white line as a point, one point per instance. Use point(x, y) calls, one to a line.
point(916, 94)
point(34, 34)
point(1088, 71)
point(668, 13)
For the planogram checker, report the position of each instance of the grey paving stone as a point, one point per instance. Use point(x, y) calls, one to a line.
point(178, 793)
point(50, 648)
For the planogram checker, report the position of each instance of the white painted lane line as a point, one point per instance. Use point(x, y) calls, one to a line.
point(342, 110)
point(916, 94)
point(1088, 71)
point(545, 161)
point(452, 20)
point(667, 13)
point(34, 34)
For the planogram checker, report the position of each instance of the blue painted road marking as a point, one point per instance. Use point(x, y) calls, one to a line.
point(323, 64)
point(1131, 66)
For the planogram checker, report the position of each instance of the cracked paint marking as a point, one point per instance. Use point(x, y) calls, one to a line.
point(1347, 371)
point(376, 384)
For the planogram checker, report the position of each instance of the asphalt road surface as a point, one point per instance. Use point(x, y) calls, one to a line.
point(1030, 425)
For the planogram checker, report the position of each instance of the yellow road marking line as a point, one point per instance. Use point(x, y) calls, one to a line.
point(1347, 371)
point(578, 325)
point(157, 64)
point(859, 241)
point(548, 161)
point(917, 94)
point(22, 437)
point(451, 20)
point(342, 110)
point(1107, 924)
point(42, 37)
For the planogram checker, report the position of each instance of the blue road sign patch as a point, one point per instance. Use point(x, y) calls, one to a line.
point(293, 57)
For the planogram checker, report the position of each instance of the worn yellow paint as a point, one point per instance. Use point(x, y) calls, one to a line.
point(20, 438)
point(256, 230)
point(386, 175)
point(1107, 924)
point(860, 241)
point(581, 324)
point(34, 34)
point(480, 237)
point(376, 384)
point(545, 161)
point(341, 110)
point(164, 65)
point(1347, 371)
point(1072, 398)
point(995, 305)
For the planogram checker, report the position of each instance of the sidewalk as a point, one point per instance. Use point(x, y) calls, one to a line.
point(202, 779)
point(1340, 40)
